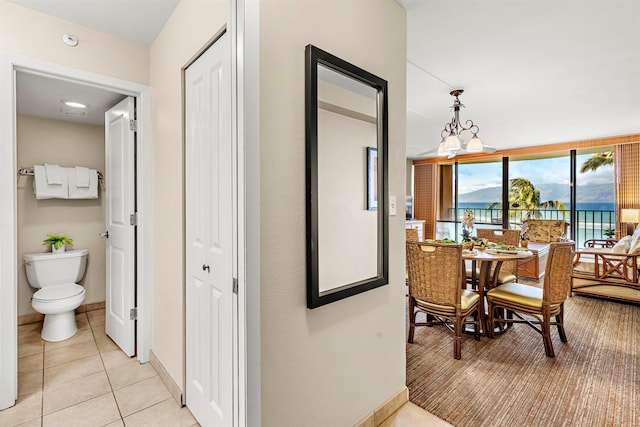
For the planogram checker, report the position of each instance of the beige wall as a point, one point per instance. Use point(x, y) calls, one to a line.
point(190, 28)
point(328, 366)
point(29, 33)
point(67, 144)
point(332, 365)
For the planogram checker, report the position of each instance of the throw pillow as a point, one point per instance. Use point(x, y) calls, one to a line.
point(557, 231)
point(539, 232)
point(635, 240)
point(623, 245)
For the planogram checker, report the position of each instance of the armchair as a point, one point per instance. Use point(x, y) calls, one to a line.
point(609, 271)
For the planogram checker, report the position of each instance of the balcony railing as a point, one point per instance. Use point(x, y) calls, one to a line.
point(591, 224)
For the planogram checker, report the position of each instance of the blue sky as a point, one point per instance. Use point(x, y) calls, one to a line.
point(555, 170)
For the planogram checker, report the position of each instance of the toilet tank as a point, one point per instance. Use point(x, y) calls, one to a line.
point(46, 269)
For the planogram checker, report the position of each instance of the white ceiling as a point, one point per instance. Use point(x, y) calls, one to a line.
point(42, 96)
point(138, 21)
point(534, 72)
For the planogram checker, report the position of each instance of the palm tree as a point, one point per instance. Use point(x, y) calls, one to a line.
point(524, 196)
point(596, 161)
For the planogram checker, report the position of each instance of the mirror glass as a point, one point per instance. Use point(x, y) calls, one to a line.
point(346, 179)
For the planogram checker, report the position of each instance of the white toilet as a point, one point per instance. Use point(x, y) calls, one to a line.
point(56, 277)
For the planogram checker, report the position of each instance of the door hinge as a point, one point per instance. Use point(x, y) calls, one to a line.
point(133, 125)
point(133, 313)
point(235, 286)
point(133, 219)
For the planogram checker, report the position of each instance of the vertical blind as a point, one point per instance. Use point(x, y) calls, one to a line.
point(424, 199)
point(627, 175)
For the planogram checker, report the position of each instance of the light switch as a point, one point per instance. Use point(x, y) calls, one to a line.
point(392, 205)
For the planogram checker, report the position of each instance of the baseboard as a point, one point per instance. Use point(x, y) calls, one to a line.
point(383, 411)
point(90, 307)
point(171, 385)
point(25, 319)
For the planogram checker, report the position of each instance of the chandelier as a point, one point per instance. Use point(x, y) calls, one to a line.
point(452, 141)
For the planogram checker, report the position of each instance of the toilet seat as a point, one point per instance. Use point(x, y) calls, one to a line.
point(58, 292)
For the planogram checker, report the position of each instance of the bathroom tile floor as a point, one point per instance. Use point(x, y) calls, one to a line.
point(87, 381)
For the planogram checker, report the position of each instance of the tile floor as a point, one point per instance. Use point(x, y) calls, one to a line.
point(410, 415)
point(87, 381)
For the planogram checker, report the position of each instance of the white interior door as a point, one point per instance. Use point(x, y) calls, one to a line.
point(209, 228)
point(120, 205)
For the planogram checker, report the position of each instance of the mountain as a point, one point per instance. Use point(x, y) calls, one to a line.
point(602, 193)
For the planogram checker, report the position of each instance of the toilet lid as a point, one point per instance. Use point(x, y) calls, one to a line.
point(56, 292)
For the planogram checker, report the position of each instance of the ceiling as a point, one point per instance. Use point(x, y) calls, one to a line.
point(139, 21)
point(42, 96)
point(534, 72)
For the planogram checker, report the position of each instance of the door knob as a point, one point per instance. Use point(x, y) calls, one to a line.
point(105, 235)
point(206, 268)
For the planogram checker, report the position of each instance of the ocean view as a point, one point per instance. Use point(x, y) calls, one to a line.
point(587, 206)
point(593, 217)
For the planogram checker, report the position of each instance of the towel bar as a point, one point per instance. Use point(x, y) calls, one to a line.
point(29, 172)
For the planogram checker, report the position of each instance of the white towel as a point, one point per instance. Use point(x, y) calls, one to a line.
point(77, 192)
point(82, 177)
point(54, 174)
point(43, 190)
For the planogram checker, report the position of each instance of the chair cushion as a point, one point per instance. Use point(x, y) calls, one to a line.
point(468, 298)
point(518, 293)
point(505, 277)
point(622, 246)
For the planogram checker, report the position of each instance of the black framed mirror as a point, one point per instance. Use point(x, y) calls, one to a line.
point(346, 179)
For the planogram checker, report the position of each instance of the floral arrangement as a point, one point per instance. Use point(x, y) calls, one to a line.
point(467, 225)
point(524, 231)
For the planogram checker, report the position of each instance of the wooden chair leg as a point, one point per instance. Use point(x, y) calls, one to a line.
point(476, 324)
point(491, 320)
point(560, 321)
point(546, 335)
point(457, 339)
point(412, 320)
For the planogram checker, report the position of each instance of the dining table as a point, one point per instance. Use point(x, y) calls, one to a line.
point(488, 258)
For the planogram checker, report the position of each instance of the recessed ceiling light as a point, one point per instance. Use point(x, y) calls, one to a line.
point(74, 104)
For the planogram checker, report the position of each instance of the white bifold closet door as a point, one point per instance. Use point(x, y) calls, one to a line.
point(209, 238)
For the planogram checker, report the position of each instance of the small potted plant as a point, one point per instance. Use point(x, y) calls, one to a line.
point(610, 233)
point(58, 243)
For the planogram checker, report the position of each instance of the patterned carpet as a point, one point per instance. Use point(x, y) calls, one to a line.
point(594, 380)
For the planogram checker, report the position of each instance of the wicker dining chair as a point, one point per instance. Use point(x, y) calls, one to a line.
point(509, 270)
point(412, 235)
point(541, 304)
point(435, 276)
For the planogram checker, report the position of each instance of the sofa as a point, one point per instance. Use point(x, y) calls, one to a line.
point(540, 232)
point(609, 272)
point(546, 230)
